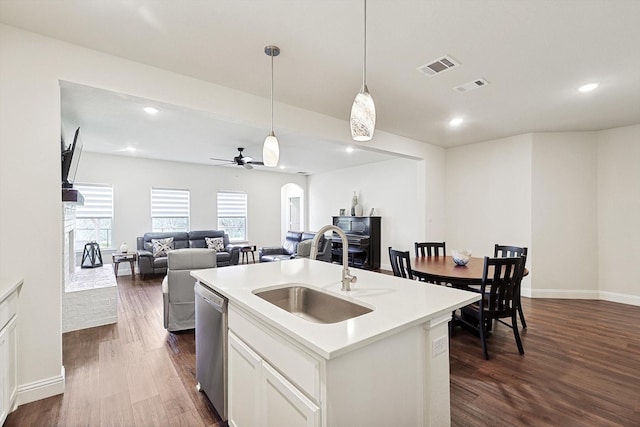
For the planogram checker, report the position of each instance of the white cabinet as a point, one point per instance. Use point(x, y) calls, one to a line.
point(260, 396)
point(8, 348)
point(274, 381)
point(244, 384)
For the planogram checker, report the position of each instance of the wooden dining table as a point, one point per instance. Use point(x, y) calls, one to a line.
point(442, 269)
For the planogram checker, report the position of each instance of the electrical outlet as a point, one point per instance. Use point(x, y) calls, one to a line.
point(439, 346)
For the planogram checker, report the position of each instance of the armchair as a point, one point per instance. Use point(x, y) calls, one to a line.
point(296, 244)
point(177, 287)
point(287, 250)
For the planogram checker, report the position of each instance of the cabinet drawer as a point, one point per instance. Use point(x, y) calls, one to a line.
point(296, 365)
point(8, 308)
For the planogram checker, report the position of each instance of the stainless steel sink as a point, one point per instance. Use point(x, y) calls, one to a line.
point(312, 305)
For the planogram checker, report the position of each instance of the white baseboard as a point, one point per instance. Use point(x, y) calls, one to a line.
point(621, 298)
point(563, 294)
point(41, 389)
point(581, 294)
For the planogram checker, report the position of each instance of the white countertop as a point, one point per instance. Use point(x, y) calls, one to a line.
point(398, 303)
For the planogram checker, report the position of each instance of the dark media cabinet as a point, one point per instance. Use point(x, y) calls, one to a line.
point(363, 233)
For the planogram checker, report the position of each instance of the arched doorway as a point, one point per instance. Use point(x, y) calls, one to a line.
point(292, 208)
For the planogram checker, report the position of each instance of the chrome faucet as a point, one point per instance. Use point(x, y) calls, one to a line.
point(347, 278)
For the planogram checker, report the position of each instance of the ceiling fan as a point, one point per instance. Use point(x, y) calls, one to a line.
point(240, 160)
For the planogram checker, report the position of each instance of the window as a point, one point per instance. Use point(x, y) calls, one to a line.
point(94, 219)
point(169, 210)
point(232, 215)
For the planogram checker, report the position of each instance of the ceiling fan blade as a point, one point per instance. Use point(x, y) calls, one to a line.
point(247, 166)
point(220, 160)
point(256, 163)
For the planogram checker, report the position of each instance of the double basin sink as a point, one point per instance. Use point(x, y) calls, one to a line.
point(311, 304)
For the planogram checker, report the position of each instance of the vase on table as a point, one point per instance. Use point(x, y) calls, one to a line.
point(124, 248)
point(354, 203)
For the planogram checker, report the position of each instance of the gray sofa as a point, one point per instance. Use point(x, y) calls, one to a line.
point(289, 248)
point(148, 264)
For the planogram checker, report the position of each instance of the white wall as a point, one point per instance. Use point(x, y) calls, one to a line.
point(619, 213)
point(564, 217)
point(390, 187)
point(574, 200)
point(31, 213)
point(488, 195)
point(132, 179)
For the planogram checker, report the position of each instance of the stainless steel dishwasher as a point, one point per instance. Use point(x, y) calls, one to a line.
point(211, 346)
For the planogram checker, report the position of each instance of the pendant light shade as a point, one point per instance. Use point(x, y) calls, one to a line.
point(363, 116)
point(271, 151)
point(363, 110)
point(271, 148)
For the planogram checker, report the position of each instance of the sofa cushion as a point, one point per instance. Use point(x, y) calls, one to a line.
point(197, 237)
point(180, 239)
point(162, 246)
point(216, 243)
point(291, 240)
point(304, 248)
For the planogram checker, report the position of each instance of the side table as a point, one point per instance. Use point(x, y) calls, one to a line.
point(119, 257)
point(245, 251)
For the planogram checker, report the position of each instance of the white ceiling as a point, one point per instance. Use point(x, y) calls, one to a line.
point(534, 54)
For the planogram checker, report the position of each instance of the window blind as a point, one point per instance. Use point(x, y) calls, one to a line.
point(166, 203)
point(98, 201)
point(232, 205)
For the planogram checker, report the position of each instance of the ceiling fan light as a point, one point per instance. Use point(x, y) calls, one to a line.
point(363, 116)
point(271, 151)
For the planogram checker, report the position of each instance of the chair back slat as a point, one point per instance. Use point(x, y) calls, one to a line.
point(430, 248)
point(505, 251)
point(501, 287)
point(400, 263)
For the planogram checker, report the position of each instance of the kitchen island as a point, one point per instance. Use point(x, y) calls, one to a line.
point(386, 367)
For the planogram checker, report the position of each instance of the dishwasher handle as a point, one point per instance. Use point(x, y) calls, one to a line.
point(215, 300)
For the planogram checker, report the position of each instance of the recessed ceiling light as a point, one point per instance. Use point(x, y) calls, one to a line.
point(349, 149)
point(588, 87)
point(456, 121)
point(151, 110)
point(130, 149)
point(281, 166)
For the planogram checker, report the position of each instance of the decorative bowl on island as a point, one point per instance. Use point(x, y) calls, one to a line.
point(460, 257)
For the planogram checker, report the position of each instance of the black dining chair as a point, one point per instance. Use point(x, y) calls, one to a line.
point(500, 291)
point(400, 263)
point(430, 248)
point(513, 251)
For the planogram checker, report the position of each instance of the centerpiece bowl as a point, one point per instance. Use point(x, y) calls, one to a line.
point(460, 257)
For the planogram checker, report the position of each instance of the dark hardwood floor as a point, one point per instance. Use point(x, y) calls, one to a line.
point(581, 368)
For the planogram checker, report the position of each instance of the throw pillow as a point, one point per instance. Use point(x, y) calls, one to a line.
point(216, 243)
point(162, 246)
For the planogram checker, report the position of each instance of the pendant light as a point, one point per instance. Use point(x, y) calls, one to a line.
point(271, 149)
point(363, 110)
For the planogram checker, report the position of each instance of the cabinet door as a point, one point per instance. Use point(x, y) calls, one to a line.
point(285, 404)
point(245, 384)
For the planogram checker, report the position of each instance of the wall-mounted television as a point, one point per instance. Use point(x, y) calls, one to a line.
point(70, 159)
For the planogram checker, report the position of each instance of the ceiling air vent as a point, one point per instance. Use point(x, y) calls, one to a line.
point(469, 86)
point(439, 65)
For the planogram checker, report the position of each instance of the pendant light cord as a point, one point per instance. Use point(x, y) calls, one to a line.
point(271, 91)
point(364, 55)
